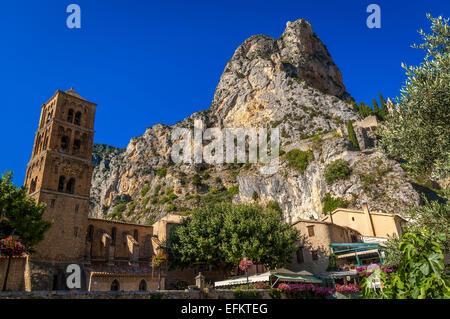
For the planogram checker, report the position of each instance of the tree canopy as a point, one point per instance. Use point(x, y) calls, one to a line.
point(220, 235)
point(21, 214)
point(418, 130)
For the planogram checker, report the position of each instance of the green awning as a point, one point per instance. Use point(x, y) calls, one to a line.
point(298, 278)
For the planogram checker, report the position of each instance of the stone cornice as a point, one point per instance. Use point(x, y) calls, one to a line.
point(41, 154)
point(49, 191)
point(81, 128)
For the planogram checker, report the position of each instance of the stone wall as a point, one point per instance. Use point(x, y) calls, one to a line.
point(163, 294)
point(18, 278)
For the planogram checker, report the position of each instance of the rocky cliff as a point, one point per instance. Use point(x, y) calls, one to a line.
point(291, 83)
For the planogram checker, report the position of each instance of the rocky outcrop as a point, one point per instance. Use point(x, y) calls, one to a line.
point(291, 83)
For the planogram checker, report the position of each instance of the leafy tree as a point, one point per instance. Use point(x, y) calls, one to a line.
point(418, 131)
point(384, 109)
point(420, 274)
point(434, 215)
point(352, 135)
point(21, 214)
point(376, 108)
point(364, 110)
point(219, 235)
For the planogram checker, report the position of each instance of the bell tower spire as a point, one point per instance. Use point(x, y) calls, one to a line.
point(60, 171)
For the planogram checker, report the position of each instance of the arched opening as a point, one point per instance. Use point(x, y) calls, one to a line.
point(90, 233)
point(136, 235)
point(33, 185)
point(77, 118)
point(113, 236)
point(70, 187)
point(64, 143)
point(143, 285)
point(62, 179)
point(76, 146)
point(115, 286)
point(70, 116)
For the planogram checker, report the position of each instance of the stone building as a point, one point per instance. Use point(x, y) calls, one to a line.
point(112, 255)
point(373, 226)
point(314, 244)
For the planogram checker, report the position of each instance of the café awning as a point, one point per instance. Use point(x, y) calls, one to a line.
point(282, 275)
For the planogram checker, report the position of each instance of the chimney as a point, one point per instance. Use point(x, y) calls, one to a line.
point(369, 216)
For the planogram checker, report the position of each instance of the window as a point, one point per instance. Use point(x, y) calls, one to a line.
point(143, 285)
point(353, 218)
point(52, 203)
point(315, 255)
point(136, 235)
point(70, 116)
point(300, 255)
point(70, 188)
point(115, 286)
point(77, 118)
point(310, 231)
point(33, 185)
point(113, 236)
point(76, 146)
point(77, 207)
point(64, 143)
point(61, 183)
point(90, 233)
point(354, 238)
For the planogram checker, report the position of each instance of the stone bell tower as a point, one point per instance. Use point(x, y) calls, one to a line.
point(59, 175)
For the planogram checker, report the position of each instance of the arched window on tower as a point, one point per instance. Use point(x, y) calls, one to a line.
point(76, 146)
point(33, 185)
point(113, 236)
point(90, 233)
point(70, 188)
point(143, 285)
point(77, 118)
point(115, 286)
point(65, 143)
point(62, 179)
point(70, 116)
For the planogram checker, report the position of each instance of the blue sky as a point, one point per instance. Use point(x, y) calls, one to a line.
point(149, 61)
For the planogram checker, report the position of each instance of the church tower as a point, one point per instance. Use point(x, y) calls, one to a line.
point(59, 174)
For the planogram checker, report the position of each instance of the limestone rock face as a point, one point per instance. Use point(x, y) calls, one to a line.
point(291, 83)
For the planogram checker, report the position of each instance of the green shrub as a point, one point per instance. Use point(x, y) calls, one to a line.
point(171, 208)
point(331, 203)
point(337, 170)
point(299, 159)
point(131, 209)
point(144, 190)
point(274, 206)
point(352, 135)
point(255, 196)
point(213, 191)
point(145, 201)
point(244, 294)
point(157, 189)
point(164, 200)
point(172, 196)
point(218, 180)
point(196, 180)
point(275, 293)
point(154, 200)
point(233, 190)
point(169, 190)
point(161, 172)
